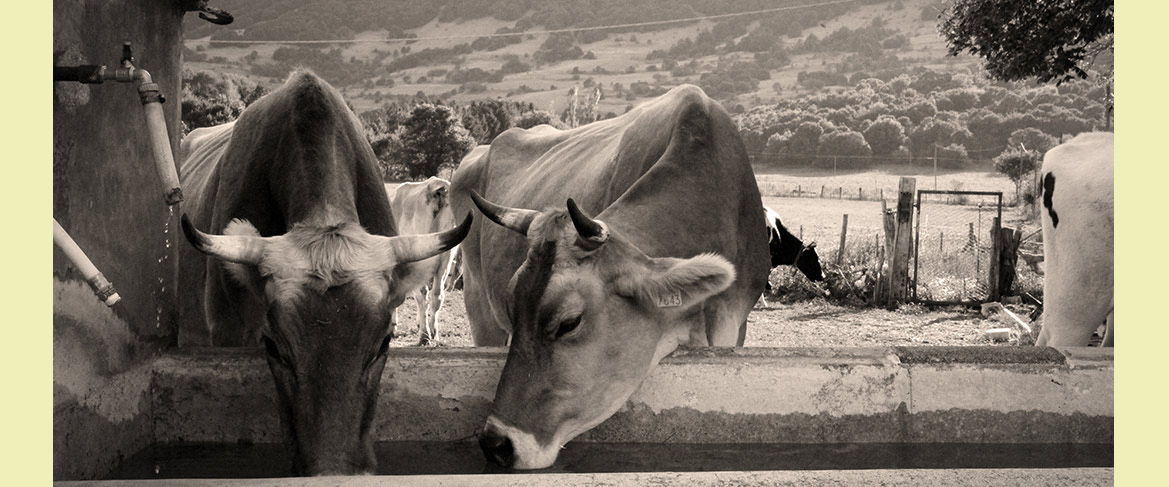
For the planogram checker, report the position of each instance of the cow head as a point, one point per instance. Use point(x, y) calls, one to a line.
point(787, 249)
point(590, 314)
point(329, 293)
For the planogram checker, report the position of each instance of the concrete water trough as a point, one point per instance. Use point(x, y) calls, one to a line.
point(900, 415)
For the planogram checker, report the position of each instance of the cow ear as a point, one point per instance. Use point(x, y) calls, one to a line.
point(678, 283)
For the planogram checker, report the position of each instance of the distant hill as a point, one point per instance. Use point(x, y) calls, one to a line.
point(342, 19)
point(850, 85)
point(741, 60)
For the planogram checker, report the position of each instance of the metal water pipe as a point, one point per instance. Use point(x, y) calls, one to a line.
point(152, 101)
point(101, 286)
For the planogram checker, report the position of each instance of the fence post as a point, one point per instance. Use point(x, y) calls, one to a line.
point(799, 190)
point(801, 232)
point(1008, 258)
point(992, 266)
point(821, 190)
point(843, 232)
point(899, 271)
point(889, 224)
point(840, 192)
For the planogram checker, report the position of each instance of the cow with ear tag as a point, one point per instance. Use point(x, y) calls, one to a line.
point(674, 256)
point(303, 259)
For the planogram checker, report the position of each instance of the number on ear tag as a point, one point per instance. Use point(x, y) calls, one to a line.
point(670, 300)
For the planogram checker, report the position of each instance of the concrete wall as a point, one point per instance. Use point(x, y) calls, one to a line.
point(107, 196)
point(814, 395)
point(1080, 477)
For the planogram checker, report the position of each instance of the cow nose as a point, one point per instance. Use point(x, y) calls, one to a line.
point(497, 448)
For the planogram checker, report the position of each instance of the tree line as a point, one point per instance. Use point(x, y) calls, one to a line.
point(916, 117)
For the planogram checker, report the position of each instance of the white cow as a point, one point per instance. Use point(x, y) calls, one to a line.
point(417, 208)
point(1077, 219)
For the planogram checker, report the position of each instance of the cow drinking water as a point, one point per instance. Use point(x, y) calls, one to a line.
point(305, 260)
point(672, 256)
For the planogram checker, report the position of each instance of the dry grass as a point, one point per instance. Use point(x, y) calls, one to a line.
point(815, 323)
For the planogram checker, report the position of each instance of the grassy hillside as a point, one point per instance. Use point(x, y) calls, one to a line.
point(615, 61)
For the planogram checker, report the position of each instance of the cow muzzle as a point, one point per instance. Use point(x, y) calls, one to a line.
point(497, 448)
point(511, 447)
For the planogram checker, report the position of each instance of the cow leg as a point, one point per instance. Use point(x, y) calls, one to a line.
point(424, 336)
point(484, 331)
point(726, 321)
point(435, 299)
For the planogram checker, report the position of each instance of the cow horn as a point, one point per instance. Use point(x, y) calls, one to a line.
point(514, 218)
point(590, 233)
point(232, 248)
point(412, 248)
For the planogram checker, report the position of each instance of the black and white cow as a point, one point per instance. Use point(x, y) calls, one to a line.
point(1077, 241)
point(787, 249)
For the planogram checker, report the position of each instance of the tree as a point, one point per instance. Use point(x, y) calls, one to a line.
point(1016, 164)
point(885, 135)
point(851, 146)
point(486, 119)
point(1020, 39)
point(803, 143)
point(933, 133)
point(432, 137)
point(1032, 139)
point(212, 99)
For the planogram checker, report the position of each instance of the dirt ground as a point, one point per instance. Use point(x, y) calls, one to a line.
point(815, 323)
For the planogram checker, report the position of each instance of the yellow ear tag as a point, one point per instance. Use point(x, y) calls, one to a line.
point(670, 300)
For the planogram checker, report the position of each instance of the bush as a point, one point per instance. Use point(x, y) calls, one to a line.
point(533, 118)
point(1017, 164)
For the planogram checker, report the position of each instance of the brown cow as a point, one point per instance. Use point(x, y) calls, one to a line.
point(675, 255)
point(305, 261)
point(424, 207)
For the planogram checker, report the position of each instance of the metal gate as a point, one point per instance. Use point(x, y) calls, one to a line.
point(952, 245)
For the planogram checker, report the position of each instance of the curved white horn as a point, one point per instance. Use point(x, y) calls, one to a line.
point(515, 219)
point(238, 249)
point(413, 248)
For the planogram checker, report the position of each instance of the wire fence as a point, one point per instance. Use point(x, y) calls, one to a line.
point(953, 245)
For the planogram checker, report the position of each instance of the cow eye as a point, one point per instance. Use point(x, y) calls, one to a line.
point(567, 326)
